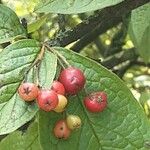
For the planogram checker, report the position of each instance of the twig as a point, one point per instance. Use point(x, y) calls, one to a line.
point(118, 58)
point(61, 22)
point(110, 15)
point(36, 62)
point(59, 56)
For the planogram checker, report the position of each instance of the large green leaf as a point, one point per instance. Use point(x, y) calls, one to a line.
point(123, 125)
point(22, 141)
point(140, 30)
point(73, 6)
point(14, 63)
point(10, 25)
point(15, 113)
point(15, 59)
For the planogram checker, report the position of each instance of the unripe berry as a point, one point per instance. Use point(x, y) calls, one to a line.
point(73, 122)
point(62, 102)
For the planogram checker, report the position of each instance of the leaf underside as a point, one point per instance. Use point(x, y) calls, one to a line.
point(73, 6)
point(10, 26)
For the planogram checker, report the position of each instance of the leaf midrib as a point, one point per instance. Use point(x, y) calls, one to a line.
point(98, 140)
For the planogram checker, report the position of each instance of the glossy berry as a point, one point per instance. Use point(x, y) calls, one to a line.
point(47, 100)
point(61, 130)
point(62, 102)
point(73, 122)
point(73, 80)
point(28, 91)
point(58, 87)
point(96, 102)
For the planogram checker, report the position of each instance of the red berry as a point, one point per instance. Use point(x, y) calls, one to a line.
point(96, 102)
point(28, 91)
point(61, 130)
point(73, 80)
point(58, 87)
point(47, 100)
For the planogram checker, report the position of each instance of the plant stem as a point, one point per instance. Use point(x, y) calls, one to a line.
point(59, 56)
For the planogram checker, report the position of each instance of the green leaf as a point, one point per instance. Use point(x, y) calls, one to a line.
point(73, 6)
point(140, 30)
point(14, 62)
point(10, 26)
point(145, 45)
point(122, 125)
point(37, 24)
point(22, 141)
point(47, 69)
point(15, 113)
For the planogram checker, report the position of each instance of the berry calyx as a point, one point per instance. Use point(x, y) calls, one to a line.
point(28, 91)
point(61, 130)
point(73, 122)
point(58, 87)
point(62, 102)
point(73, 80)
point(96, 102)
point(47, 100)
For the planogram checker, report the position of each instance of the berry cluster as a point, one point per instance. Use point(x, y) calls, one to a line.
point(71, 80)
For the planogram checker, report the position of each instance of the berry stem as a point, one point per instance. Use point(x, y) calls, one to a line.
point(60, 63)
point(64, 113)
point(39, 58)
point(36, 62)
point(63, 59)
point(37, 75)
point(59, 56)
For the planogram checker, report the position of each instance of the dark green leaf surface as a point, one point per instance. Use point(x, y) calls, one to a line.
point(122, 126)
point(15, 59)
point(22, 141)
point(10, 25)
point(73, 6)
point(140, 30)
